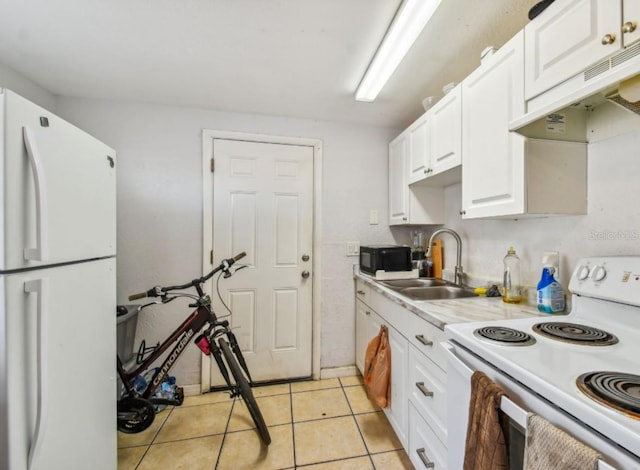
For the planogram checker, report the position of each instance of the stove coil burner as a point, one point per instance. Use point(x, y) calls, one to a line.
point(616, 390)
point(506, 336)
point(574, 333)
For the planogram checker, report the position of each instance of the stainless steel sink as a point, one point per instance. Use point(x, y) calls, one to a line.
point(423, 282)
point(437, 293)
point(428, 289)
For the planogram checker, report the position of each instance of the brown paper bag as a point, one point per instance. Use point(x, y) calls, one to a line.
point(377, 368)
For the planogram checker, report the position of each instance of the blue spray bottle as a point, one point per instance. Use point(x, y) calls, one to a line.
point(551, 297)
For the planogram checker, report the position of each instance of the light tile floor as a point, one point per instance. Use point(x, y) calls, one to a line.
point(316, 425)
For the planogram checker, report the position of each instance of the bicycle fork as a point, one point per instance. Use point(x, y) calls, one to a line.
point(210, 348)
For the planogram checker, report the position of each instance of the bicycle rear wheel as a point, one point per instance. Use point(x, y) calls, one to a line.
point(245, 391)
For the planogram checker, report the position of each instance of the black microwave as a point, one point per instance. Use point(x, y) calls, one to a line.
point(384, 258)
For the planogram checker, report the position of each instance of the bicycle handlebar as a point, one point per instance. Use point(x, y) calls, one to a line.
point(158, 291)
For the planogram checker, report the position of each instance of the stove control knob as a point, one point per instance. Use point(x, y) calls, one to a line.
point(583, 272)
point(599, 273)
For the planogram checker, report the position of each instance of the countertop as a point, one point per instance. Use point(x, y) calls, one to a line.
point(444, 312)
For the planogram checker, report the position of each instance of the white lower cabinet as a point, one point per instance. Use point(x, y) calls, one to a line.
point(425, 449)
point(418, 378)
point(397, 411)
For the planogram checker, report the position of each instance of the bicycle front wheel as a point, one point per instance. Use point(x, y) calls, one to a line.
point(245, 391)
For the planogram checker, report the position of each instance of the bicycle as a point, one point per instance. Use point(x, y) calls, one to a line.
point(136, 409)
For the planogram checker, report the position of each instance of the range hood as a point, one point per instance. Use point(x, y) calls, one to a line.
point(616, 79)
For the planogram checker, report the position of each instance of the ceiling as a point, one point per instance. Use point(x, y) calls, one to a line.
point(299, 58)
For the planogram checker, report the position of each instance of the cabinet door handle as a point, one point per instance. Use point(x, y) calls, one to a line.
point(425, 460)
point(404, 218)
point(425, 391)
point(424, 340)
point(462, 212)
point(629, 27)
point(361, 292)
point(608, 39)
point(367, 312)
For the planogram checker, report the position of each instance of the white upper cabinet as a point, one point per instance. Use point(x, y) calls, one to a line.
point(410, 204)
point(398, 185)
point(419, 148)
point(503, 173)
point(446, 133)
point(492, 162)
point(435, 142)
point(572, 35)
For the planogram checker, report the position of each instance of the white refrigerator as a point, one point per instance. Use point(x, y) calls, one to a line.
point(57, 293)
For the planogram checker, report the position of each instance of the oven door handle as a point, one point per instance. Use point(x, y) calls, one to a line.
point(511, 409)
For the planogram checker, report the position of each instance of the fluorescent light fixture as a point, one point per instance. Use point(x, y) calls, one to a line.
point(410, 20)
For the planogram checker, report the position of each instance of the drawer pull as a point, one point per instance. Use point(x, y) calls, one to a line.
point(360, 292)
point(367, 312)
point(424, 340)
point(425, 460)
point(425, 391)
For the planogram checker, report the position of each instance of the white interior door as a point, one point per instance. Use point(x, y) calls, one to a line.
point(263, 205)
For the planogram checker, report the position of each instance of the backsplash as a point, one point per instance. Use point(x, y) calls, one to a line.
point(612, 226)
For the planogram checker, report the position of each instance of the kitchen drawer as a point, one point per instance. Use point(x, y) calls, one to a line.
point(363, 292)
point(425, 449)
point(427, 391)
point(427, 338)
point(392, 313)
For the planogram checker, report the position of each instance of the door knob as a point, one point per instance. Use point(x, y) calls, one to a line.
point(305, 257)
point(629, 27)
point(305, 274)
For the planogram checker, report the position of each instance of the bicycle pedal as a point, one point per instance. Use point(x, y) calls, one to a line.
point(179, 396)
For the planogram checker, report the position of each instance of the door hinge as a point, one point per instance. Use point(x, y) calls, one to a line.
point(211, 257)
point(213, 165)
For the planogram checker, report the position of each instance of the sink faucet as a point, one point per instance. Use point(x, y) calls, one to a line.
point(458, 269)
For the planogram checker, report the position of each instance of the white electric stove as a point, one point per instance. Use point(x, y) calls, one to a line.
point(580, 371)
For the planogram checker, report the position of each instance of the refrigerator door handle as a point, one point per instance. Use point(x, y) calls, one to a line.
point(40, 287)
point(39, 253)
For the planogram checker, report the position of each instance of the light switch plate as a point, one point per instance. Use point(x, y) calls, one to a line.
point(373, 217)
point(353, 248)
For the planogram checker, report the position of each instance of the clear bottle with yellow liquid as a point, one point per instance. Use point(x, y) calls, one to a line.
point(511, 280)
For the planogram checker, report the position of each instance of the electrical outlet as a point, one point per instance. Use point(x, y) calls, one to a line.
point(552, 258)
point(353, 248)
point(373, 217)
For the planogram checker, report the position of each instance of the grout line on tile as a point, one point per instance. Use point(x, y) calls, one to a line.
point(293, 428)
point(362, 437)
point(226, 429)
point(161, 426)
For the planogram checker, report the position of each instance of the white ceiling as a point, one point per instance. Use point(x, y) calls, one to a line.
point(300, 58)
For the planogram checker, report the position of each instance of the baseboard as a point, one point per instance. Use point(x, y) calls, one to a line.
point(344, 371)
point(326, 373)
point(191, 390)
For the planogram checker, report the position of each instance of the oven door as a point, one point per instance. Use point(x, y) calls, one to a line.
point(461, 364)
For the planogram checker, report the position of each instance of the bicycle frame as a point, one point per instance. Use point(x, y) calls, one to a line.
point(202, 316)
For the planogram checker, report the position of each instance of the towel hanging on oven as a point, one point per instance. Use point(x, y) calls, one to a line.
point(549, 447)
point(377, 369)
point(486, 444)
